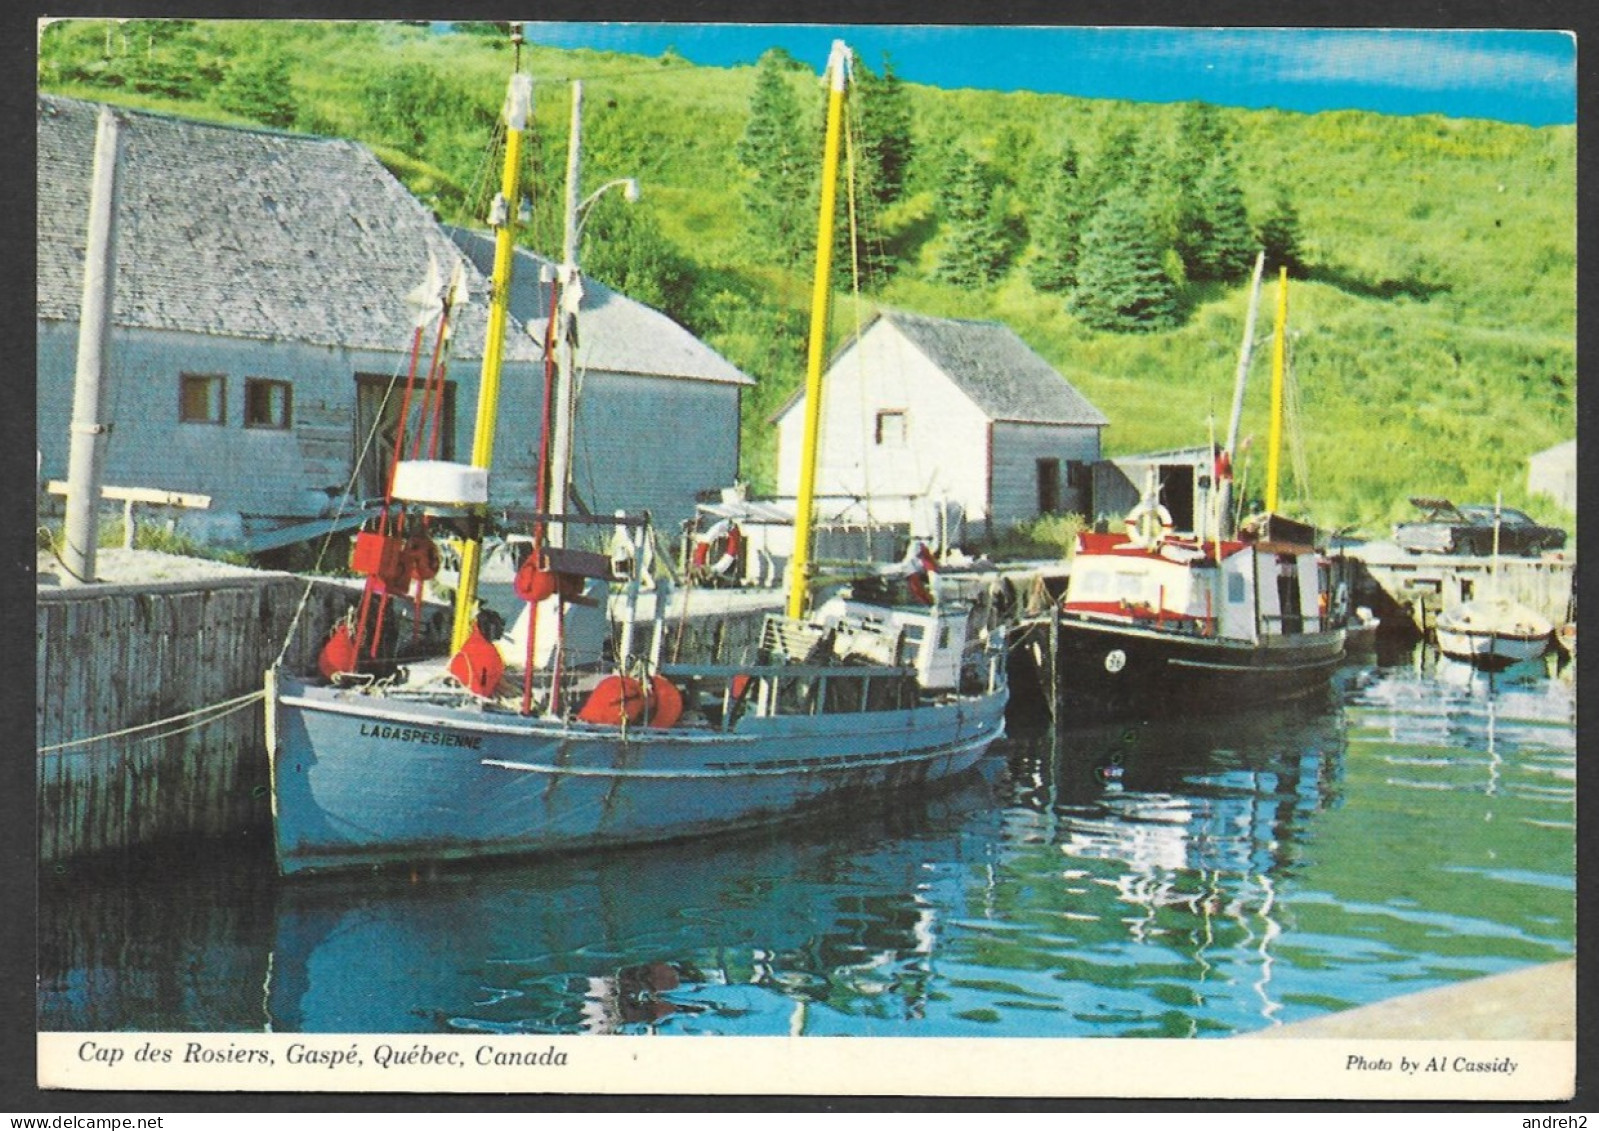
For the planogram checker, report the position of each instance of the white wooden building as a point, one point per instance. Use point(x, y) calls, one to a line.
point(1553, 472)
point(920, 411)
point(260, 321)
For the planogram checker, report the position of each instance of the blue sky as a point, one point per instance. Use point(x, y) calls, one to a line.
point(1512, 75)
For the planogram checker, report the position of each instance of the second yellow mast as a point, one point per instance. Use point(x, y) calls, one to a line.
point(800, 565)
point(1279, 355)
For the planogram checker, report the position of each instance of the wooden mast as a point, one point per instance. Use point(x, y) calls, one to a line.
point(800, 566)
point(518, 110)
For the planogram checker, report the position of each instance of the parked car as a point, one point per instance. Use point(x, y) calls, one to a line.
point(1445, 528)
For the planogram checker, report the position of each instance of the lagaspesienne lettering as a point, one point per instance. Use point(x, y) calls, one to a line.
point(420, 735)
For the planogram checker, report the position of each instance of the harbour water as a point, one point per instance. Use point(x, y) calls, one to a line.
point(1414, 827)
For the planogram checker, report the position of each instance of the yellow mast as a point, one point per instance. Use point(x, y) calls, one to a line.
point(800, 568)
point(518, 110)
point(1279, 353)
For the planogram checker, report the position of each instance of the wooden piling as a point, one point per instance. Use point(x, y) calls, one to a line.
point(1052, 688)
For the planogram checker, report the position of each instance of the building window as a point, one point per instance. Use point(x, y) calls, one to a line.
point(1077, 474)
point(202, 398)
point(891, 428)
point(268, 404)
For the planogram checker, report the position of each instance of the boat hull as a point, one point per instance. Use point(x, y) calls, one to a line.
point(1110, 671)
point(1492, 634)
point(361, 782)
point(1491, 651)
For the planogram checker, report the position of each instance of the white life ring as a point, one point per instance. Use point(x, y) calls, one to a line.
point(717, 549)
point(1148, 525)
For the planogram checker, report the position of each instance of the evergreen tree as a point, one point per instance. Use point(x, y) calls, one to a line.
point(1122, 282)
point(1220, 243)
point(883, 129)
point(1122, 163)
point(1201, 135)
point(1280, 236)
point(974, 249)
point(1058, 230)
point(623, 248)
point(1210, 228)
point(779, 163)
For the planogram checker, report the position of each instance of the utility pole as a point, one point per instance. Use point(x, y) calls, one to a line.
point(87, 447)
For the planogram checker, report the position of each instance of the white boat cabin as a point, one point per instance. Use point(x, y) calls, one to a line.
point(1229, 588)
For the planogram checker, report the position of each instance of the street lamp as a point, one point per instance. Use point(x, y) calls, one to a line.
point(630, 193)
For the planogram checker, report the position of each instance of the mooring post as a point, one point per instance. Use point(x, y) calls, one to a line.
point(1052, 668)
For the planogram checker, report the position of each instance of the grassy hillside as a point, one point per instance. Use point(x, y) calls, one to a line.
point(1433, 344)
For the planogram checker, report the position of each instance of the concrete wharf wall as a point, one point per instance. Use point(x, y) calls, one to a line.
point(117, 656)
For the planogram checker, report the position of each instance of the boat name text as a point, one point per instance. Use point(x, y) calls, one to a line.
point(425, 737)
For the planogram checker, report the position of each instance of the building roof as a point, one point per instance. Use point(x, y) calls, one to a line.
point(616, 334)
point(243, 233)
point(1196, 453)
point(1001, 373)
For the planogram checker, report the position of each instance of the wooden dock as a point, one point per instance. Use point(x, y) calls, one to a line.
point(1410, 589)
point(148, 715)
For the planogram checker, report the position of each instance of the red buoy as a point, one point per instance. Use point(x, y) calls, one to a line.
point(615, 699)
point(340, 653)
point(665, 703)
point(478, 665)
point(533, 584)
point(423, 557)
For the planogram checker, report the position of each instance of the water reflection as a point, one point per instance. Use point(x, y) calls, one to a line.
point(1179, 879)
point(739, 934)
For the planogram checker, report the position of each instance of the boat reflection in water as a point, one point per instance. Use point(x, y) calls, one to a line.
point(740, 936)
point(1415, 828)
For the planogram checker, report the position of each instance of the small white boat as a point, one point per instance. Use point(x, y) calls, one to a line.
point(1493, 633)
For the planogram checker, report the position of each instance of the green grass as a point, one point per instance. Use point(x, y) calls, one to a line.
point(1434, 344)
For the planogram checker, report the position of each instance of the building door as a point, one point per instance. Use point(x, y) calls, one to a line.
point(1048, 486)
point(377, 406)
point(1177, 494)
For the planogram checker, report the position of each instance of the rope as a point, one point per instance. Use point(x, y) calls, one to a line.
point(213, 712)
point(1298, 456)
point(867, 421)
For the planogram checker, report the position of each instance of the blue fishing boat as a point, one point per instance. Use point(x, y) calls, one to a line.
point(885, 684)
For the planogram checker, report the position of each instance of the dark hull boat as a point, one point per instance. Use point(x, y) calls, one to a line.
point(1106, 672)
point(1157, 623)
point(1180, 627)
